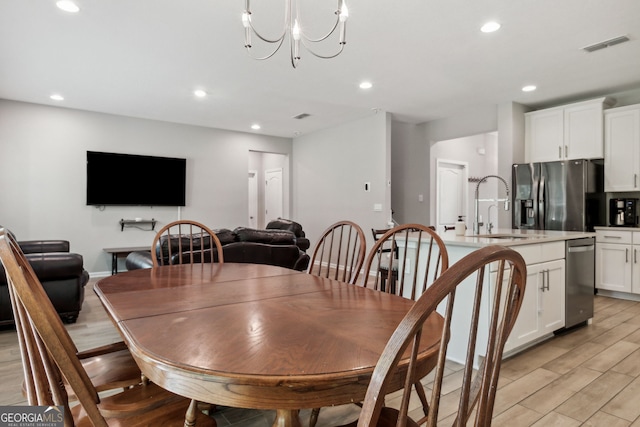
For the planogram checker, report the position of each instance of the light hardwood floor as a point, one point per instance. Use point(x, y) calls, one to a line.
point(588, 377)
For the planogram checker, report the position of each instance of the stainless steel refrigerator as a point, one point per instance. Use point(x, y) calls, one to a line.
point(563, 195)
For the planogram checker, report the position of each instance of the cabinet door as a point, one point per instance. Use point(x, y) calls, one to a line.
point(613, 267)
point(526, 328)
point(551, 308)
point(635, 269)
point(622, 150)
point(544, 134)
point(583, 131)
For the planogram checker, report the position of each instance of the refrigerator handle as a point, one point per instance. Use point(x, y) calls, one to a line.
point(560, 152)
point(541, 206)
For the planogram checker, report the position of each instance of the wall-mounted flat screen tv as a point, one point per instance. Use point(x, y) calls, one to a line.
point(133, 180)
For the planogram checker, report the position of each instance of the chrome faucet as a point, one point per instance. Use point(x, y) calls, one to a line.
point(506, 200)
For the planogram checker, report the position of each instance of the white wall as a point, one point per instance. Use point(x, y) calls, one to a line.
point(329, 171)
point(409, 173)
point(480, 152)
point(43, 172)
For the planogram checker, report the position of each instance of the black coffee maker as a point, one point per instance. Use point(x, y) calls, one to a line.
point(622, 212)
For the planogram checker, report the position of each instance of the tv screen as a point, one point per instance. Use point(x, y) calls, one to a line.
point(133, 180)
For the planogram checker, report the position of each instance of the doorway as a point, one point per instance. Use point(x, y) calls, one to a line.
point(266, 201)
point(451, 192)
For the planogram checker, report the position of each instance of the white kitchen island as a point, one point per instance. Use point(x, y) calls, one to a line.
point(543, 308)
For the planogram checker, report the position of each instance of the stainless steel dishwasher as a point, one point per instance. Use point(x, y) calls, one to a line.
point(580, 280)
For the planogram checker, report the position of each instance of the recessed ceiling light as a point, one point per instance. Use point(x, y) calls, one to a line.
point(255, 126)
point(490, 27)
point(529, 88)
point(200, 93)
point(366, 85)
point(57, 97)
point(68, 6)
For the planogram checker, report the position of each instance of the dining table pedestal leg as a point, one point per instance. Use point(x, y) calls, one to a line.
point(287, 418)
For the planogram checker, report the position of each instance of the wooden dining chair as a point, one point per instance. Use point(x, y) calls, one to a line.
point(339, 253)
point(185, 242)
point(495, 279)
point(51, 365)
point(110, 366)
point(405, 259)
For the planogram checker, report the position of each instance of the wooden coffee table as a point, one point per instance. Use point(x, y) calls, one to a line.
point(257, 336)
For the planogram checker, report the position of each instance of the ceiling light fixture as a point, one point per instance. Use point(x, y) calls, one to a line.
point(490, 27)
point(529, 88)
point(200, 93)
point(255, 126)
point(57, 97)
point(366, 85)
point(68, 6)
point(296, 34)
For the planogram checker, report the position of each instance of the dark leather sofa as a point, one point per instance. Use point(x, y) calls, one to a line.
point(275, 246)
point(61, 273)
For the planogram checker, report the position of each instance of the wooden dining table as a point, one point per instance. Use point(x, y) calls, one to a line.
point(257, 336)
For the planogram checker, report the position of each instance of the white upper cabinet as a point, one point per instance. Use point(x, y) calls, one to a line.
point(622, 149)
point(573, 131)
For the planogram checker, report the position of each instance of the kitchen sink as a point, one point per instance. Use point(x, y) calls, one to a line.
point(509, 236)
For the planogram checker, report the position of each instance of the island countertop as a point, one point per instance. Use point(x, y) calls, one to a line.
point(511, 237)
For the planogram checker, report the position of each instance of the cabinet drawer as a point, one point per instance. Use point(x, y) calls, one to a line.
point(541, 252)
point(614, 236)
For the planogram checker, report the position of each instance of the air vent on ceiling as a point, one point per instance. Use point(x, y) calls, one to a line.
point(607, 43)
point(301, 116)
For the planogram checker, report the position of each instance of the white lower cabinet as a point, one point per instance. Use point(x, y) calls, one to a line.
point(618, 260)
point(543, 307)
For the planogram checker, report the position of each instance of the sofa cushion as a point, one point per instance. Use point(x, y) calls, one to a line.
point(274, 237)
point(180, 243)
point(225, 236)
point(288, 256)
point(41, 246)
point(286, 224)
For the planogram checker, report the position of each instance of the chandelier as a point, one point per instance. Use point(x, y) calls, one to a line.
point(296, 34)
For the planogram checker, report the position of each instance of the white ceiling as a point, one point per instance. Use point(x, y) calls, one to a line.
point(427, 59)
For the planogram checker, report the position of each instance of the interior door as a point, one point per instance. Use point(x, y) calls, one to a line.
point(451, 192)
point(273, 194)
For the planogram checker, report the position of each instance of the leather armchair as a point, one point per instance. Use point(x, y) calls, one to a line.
point(61, 273)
